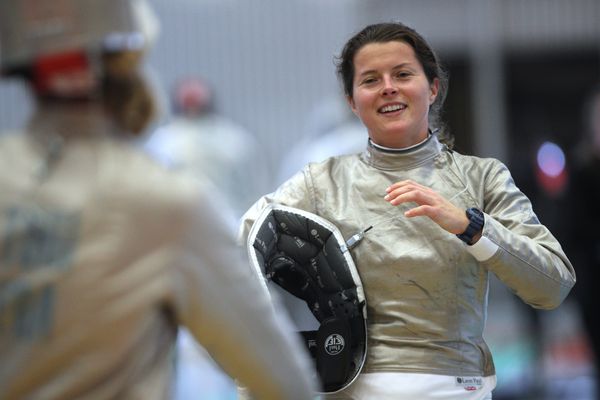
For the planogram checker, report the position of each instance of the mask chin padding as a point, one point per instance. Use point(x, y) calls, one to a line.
point(304, 255)
point(334, 356)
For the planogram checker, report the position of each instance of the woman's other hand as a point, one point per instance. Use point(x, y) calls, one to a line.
point(429, 204)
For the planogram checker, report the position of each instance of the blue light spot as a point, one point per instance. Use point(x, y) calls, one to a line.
point(551, 159)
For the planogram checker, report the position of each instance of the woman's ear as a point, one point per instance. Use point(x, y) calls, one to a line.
point(434, 89)
point(352, 105)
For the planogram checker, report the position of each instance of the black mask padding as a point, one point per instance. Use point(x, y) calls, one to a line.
point(298, 249)
point(285, 272)
point(266, 238)
point(306, 260)
point(334, 357)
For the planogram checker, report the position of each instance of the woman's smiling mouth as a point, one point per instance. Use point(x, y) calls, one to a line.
point(391, 108)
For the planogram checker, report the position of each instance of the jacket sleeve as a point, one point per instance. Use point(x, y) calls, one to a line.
point(223, 305)
point(529, 259)
point(295, 192)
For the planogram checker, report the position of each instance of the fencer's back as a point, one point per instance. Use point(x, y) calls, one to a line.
point(89, 228)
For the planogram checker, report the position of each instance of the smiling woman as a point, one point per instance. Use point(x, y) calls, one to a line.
point(432, 225)
point(392, 94)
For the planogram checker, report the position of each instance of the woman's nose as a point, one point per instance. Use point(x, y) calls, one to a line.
point(388, 87)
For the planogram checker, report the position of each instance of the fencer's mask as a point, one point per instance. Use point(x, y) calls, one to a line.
point(60, 46)
point(305, 263)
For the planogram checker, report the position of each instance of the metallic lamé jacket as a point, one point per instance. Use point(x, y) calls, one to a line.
point(426, 294)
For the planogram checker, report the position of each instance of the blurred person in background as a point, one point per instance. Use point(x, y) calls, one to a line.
point(431, 225)
point(204, 143)
point(583, 219)
point(104, 253)
point(334, 131)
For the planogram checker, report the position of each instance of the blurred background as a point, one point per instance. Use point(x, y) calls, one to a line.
point(520, 75)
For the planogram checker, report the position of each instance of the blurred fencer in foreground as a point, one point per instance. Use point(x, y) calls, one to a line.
point(103, 253)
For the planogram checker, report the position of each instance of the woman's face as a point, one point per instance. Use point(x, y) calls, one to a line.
point(392, 94)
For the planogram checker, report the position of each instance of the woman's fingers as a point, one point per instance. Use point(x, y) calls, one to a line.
point(429, 204)
point(406, 191)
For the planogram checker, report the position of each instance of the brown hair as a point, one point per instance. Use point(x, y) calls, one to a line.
point(397, 31)
point(125, 92)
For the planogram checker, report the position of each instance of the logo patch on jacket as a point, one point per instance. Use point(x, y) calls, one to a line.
point(469, 383)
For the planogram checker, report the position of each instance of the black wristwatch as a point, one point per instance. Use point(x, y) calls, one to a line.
point(476, 221)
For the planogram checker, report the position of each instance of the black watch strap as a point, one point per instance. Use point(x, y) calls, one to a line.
point(476, 221)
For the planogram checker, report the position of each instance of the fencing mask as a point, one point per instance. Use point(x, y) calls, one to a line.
point(304, 259)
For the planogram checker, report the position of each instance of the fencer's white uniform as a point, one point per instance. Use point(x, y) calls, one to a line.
point(103, 254)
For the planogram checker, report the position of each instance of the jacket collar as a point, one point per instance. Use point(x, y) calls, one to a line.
point(402, 159)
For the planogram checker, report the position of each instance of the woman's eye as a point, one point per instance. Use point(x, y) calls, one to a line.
point(368, 81)
point(403, 74)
